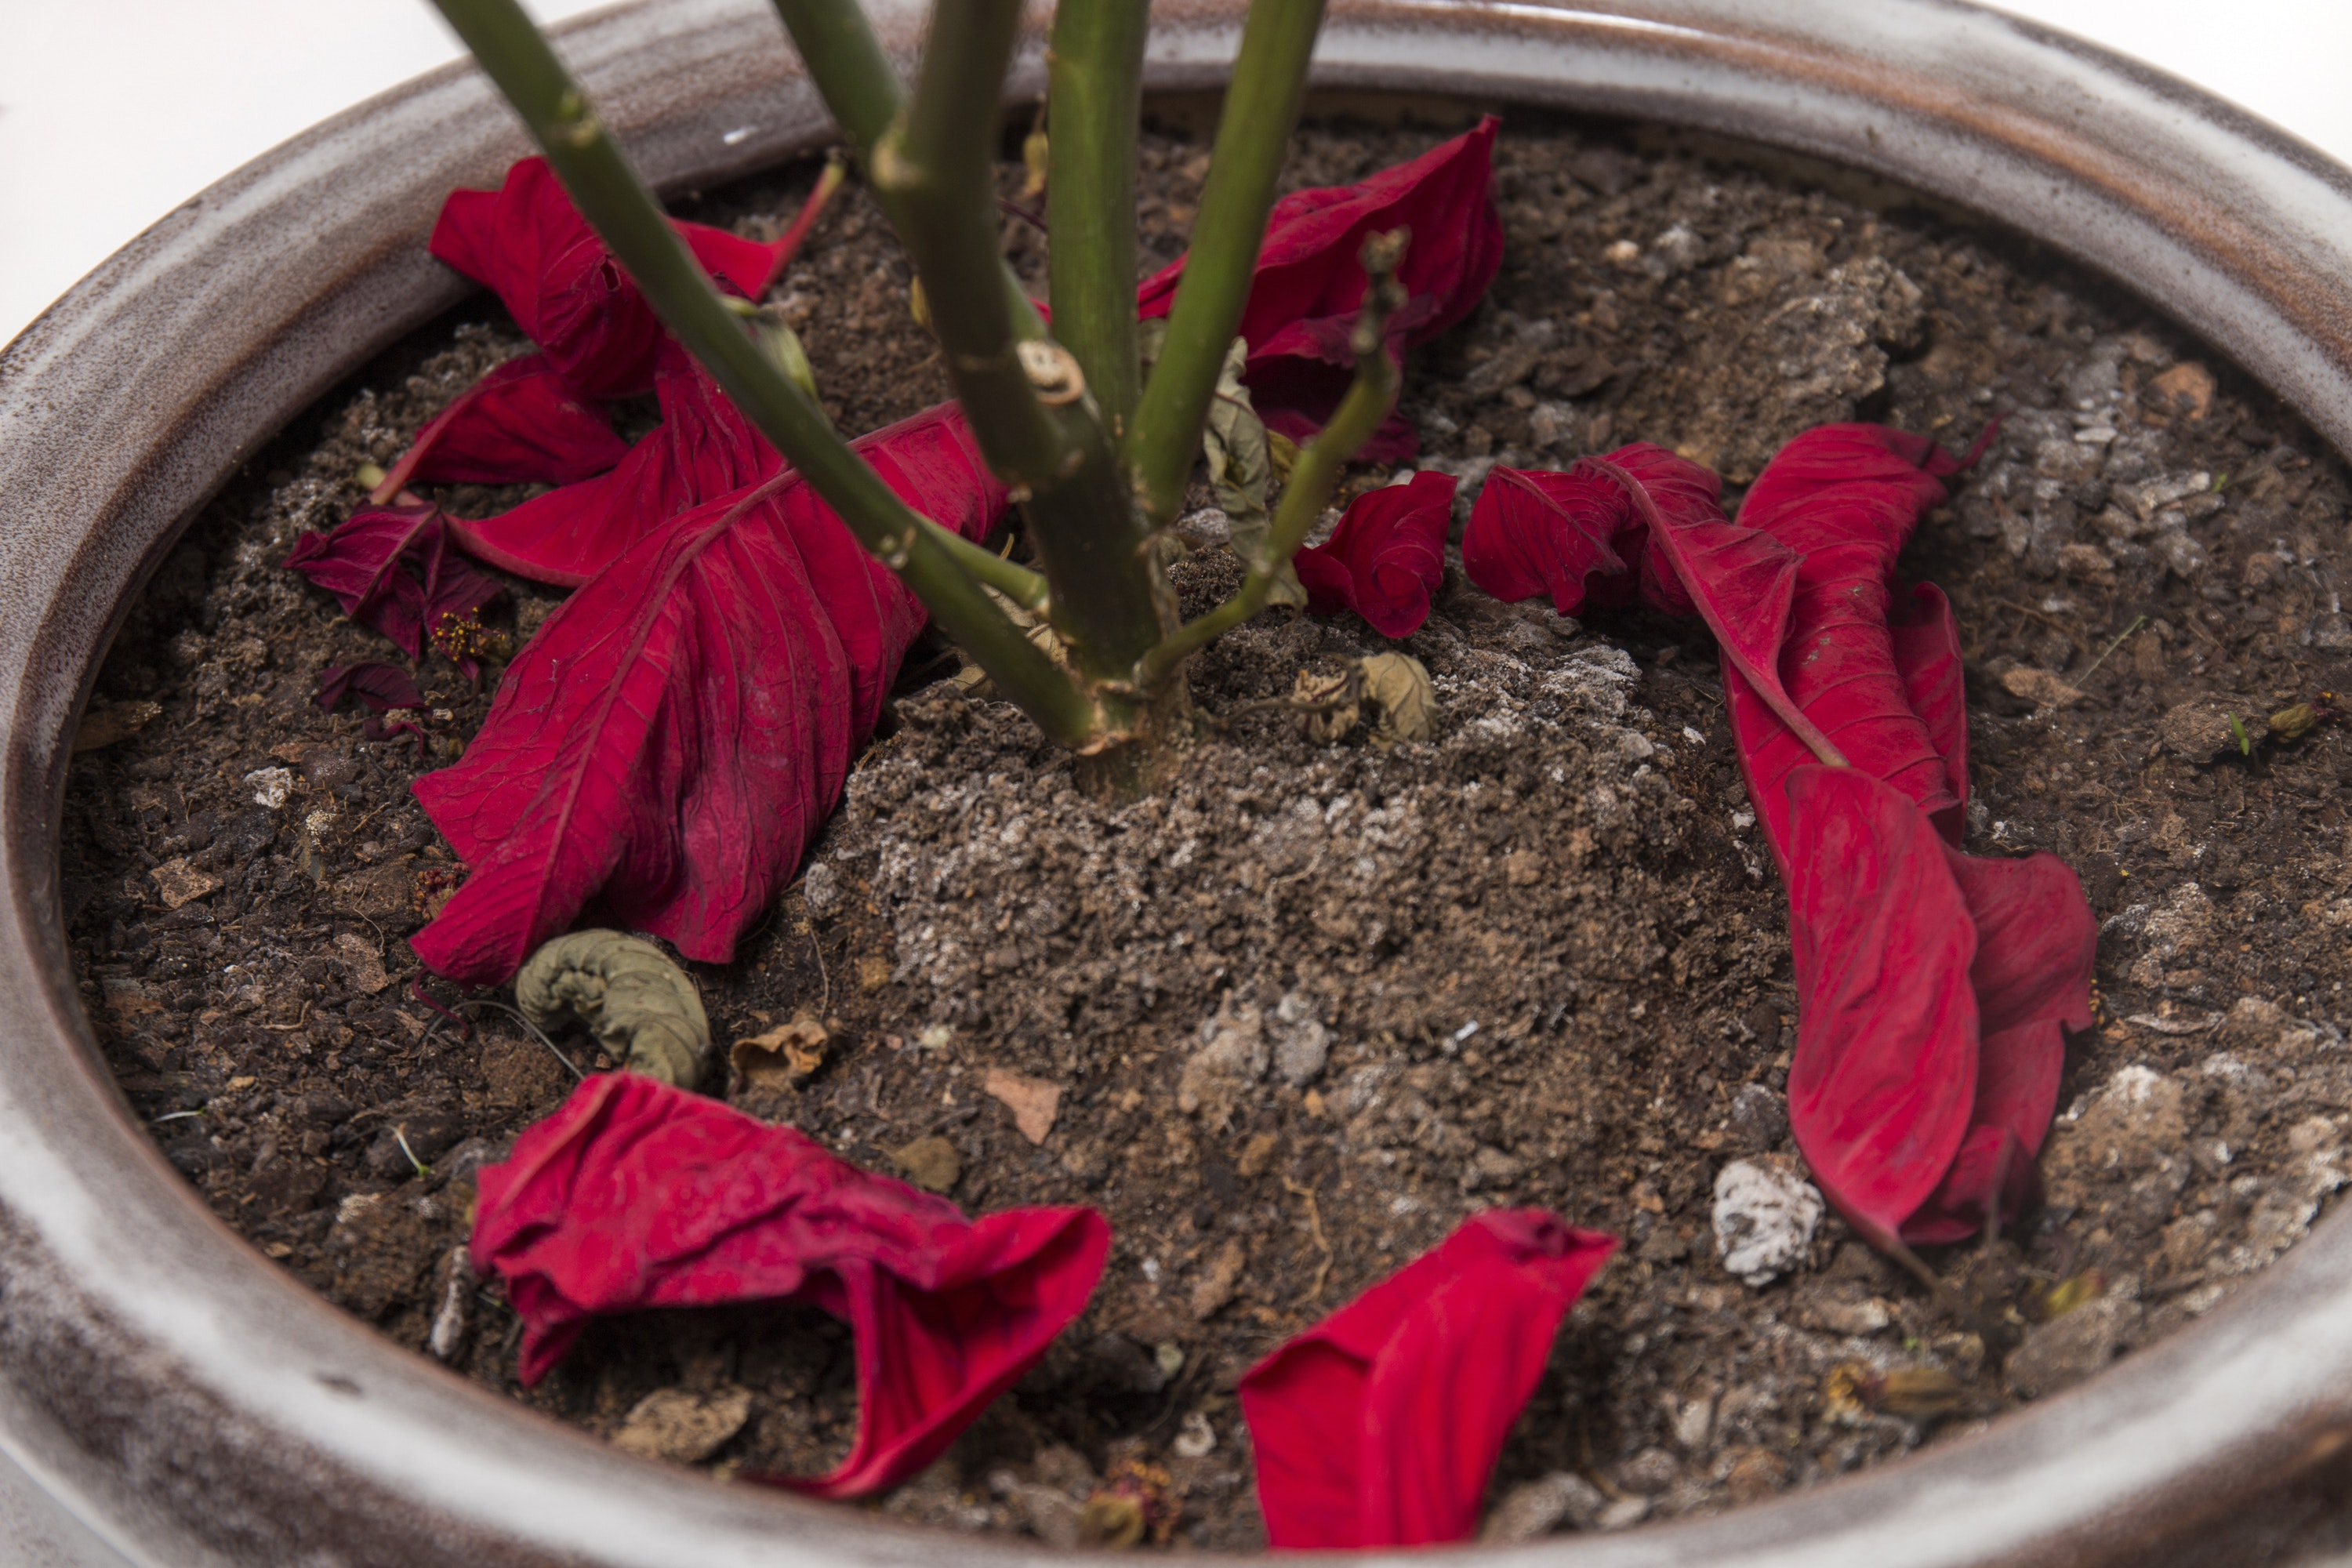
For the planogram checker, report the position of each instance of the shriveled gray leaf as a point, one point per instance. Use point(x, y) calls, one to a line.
point(623, 990)
point(1241, 472)
point(1398, 687)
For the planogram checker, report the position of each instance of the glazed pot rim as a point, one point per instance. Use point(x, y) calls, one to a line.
point(190, 1403)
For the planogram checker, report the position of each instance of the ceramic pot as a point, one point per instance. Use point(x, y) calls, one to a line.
point(167, 1396)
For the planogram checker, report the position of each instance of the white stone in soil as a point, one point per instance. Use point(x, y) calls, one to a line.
point(1764, 1218)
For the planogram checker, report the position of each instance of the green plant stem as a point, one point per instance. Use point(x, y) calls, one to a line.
point(1253, 129)
point(1095, 73)
point(846, 61)
point(1370, 397)
point(628, 219)
point(933, 171)
point(1025, 588)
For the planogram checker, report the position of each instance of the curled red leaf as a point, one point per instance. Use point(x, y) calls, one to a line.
point(1932, 990)
point(1387, 557)
point(380, 687)
point(636, 1195)
point(392, 570)
point(521, 423)
point(1846, 498)
point(1381, 1425)
point(1309, 281)
point(1640, 522)
point(703, 449)
point(675, 732)
point(528, 245)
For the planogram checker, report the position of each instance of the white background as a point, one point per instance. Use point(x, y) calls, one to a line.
point(114, 111)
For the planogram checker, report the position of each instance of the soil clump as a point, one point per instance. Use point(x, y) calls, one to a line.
point(1289, 1022)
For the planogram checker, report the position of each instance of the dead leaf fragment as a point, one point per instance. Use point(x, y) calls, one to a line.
point(1215, 1287)
point(1398, 687)
point(1033, 1101)
point(1328, 705)
point(931, 1163)
point(363, 966)
point(624, 991)
point(1915, 1392)
point(1257, 1156)
point(107, 722)
point(177, 882)
point(2039, 686)
point(785, 1056)
point(2186, 388)
point(685, 1428)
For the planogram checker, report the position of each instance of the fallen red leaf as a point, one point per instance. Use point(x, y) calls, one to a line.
point(1381, 1425)
point(1386, 558)
point(1309, 281)
point(392, 570)
point(703, 449)
point(675, 732)
point(521, 423)
point(1931, 990)
point(380, 687)
point(1846, 498)
point(528, 245)
point(636, 1195)
point(1638, 523)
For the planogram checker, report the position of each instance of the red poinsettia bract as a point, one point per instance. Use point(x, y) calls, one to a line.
point(392, 568)
point(1309, 281)
point(675, 733)
point(703, 449)
point(1387, 557)
point(634, 1195)
point(1381, 1425)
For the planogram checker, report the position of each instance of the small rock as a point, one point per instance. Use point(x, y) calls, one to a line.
point(1537, 1508)
point(2135, 1121)
point(1301, 1044)
point(452, 1322)
point(1233, 1056)
point(1649, 1472)
point(1623, 1514)
point(2064, 1351)
point(363, 965)
point(178, 882)
point(271, 787)
point(821, 890)
point(1692, 1422)
point(1760, 1118)
point(1047, 1513)
point(1034, 1101)
point(1866, 1317)
point(2200, 731)
point(1764, 1217)
point(1215, 1287)
point(931, 1163)
point(785, 1056)
point(685, 1428)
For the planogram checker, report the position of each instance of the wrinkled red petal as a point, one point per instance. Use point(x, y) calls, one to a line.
point(392, 571)
point(636, 1195)
point(528, 245)
point(703, 449)
point(521, 423)
point(1386, 558)
point(1884, 1074)
point(1381, 1425)
point(1927, 638)
point(1309, 281)
point(381, 686)
point(676, 730)
point(1846, 498)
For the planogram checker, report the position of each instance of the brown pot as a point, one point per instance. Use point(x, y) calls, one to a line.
point(167, 1396)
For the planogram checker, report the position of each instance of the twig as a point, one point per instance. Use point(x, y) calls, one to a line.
point(1315, 1229)
point(2137, 622)
point(824, 1003)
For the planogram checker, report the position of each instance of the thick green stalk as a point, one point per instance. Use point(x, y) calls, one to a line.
point(1370, 397)
point(628, 219)
point(1025, 394)
point(1260, 112)
point(846, 62)
point(1095, 74)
